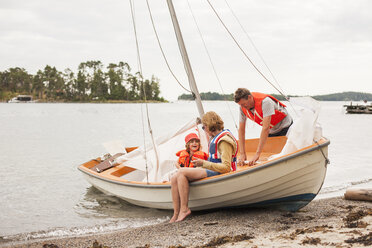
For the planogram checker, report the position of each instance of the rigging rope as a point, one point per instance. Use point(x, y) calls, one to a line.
point(254, 46)
point(259, 54)
point(145, 98)
point(140, 67)
point(161, 48)
point(241, 49)
point(210, 60)
point(327, 161)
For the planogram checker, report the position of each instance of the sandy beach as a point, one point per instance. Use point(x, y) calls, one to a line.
point(333, 222)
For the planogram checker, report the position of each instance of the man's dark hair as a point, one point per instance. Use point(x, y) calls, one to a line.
point(241, 93)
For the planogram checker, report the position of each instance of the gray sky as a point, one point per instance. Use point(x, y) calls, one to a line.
point(312, 47)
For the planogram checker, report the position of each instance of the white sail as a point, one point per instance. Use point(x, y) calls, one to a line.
point(305, 128)
point(167, 147)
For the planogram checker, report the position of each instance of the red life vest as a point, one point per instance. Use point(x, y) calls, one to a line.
point(184, 158)
point(258, 114)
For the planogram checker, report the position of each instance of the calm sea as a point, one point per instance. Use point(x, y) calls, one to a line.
point(42, 194)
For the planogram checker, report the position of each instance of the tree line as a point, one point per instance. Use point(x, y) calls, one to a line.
point(209, 96)
point(344, 96)
point(92, 82)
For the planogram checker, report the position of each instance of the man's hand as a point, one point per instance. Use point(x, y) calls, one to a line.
point(254, 159)
point(198, 162)
point(241, 158)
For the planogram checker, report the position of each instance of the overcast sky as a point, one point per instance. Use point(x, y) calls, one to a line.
point(312, 47)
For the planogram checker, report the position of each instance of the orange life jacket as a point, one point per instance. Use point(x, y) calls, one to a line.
point(258, 114)
point(184, 158)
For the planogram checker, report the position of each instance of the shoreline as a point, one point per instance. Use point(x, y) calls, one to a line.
point(332, 222)
point(94, 102)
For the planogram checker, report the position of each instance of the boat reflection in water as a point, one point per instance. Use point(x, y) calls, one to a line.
point(97, 204)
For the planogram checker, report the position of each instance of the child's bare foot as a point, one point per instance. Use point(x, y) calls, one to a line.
point(174, 218)
point(183, 214)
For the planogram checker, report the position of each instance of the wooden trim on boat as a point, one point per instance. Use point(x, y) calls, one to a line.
point(112, 175)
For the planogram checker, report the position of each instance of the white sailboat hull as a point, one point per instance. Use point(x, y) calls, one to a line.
point(288, 182)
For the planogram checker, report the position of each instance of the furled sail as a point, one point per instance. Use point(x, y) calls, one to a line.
point(305, 129)
point(167, 147)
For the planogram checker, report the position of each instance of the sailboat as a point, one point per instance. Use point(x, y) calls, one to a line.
point(289, 174)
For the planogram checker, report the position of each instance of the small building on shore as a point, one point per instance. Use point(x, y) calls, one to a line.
point(22, 99)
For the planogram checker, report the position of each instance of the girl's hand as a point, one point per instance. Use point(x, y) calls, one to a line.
point(198, 162)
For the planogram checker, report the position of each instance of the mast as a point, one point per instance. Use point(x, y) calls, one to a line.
point(185, 58)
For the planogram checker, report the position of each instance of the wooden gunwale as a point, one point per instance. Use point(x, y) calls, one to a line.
point(112, 175)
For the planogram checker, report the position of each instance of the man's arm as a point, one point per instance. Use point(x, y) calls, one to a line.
point(263, 137)
point(242, 157)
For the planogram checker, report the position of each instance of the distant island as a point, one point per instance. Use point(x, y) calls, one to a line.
point(93, 82)
point(212, 96)
point(344, 96)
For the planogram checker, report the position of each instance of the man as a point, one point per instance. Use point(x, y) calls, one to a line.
point(266, 111)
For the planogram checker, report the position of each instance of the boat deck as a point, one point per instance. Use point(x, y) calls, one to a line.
point(273, 146)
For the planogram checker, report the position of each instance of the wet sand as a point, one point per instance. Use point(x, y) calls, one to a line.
point(333, 222)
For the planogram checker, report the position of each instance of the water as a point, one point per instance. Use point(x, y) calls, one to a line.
point(42, 194)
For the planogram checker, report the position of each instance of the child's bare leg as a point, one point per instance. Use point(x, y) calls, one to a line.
point(175, 198)
point(184, 177)
point(183, 189)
